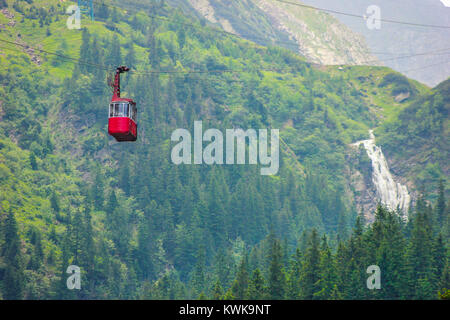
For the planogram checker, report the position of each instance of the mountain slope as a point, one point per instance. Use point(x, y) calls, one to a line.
point(402, 40)
point(131, 219)
point(417, 139)
point(317, 36)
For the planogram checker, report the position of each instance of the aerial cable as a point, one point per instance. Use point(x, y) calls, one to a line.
point(104, 67)
point(55, 54)
point(268, 41)
point(181, 75)
point(188, 77)
point(434, 52)
point(278, 70)
point(212, 27)
point(426, 66)
point(182, 72)
point(362, 17)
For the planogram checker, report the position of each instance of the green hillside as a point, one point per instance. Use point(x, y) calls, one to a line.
point(419, 135)
point(142, 227)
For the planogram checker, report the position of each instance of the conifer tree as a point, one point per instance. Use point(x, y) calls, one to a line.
point(420, 259)
point(440, 206)
point(85, 50)
point(54, 202)
point(276, 272)
point(439, 258)
point(97, 190)
point(37, 256)
point(256, 288)
point(311, 268)
point(33, 162)
point(240, 285)
point(293, 281)
point(217, 291)
point(327, 284)
point(13, 282)
point(114, 55)
point(130, 58)
point(198, 277)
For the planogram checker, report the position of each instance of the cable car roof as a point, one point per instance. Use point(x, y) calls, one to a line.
point(117, 99)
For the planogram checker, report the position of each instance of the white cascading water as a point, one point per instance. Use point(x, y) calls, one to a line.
point(391, 193)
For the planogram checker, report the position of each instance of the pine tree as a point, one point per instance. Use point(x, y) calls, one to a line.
point(293, 281)
point(61, 291)
point(217, 291)
point(440, 206)
point(114, 57)
point(439, 258)
point(311, 268)
point(444, 283)
point(88, 253)
point(198, 277)
point(386, 246)
point(111, 205)
point(54, 202)
point(33, 162)
point(327, 283)
point(37, 256)
point(420, 259)
point(97, 191)
point(13, 282)
point(228, 295)
point(276, 273)
point(240, 284)
point(85, 49)
point(130, 58)
point(124, 178)
point(216, 213)
point(189, 110)
point(145, 244)
point(153, 45)
point(222, 268)
point(181, 37)
point(99, 75)
point(77, 236)
point(256, 288)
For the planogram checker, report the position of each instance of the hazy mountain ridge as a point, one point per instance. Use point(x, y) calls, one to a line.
point(402, 40)
point(335, 39)
point(317, 36)
point(321, 38)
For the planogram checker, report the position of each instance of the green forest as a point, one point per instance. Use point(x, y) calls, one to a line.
point(140, 227)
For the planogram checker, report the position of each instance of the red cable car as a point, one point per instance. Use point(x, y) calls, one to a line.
point(122, 113)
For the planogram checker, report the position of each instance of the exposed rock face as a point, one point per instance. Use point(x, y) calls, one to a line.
point(205, 9)
point(387, 190)
point(321, 38)
point(364, 194)
point(318, 36)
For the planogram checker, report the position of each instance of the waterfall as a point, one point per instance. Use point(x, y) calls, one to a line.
point(392, 194)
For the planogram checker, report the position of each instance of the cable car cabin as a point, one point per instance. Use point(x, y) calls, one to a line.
point(122, 123)
point(122, 120)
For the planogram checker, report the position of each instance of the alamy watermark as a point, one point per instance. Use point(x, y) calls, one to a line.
point(373, 17)
point(75, 11)
point(373, 281)
point(213, 153)
point(73, 281)
point(74, 20)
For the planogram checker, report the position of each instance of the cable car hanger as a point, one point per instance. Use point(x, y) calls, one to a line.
point(122, 123)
